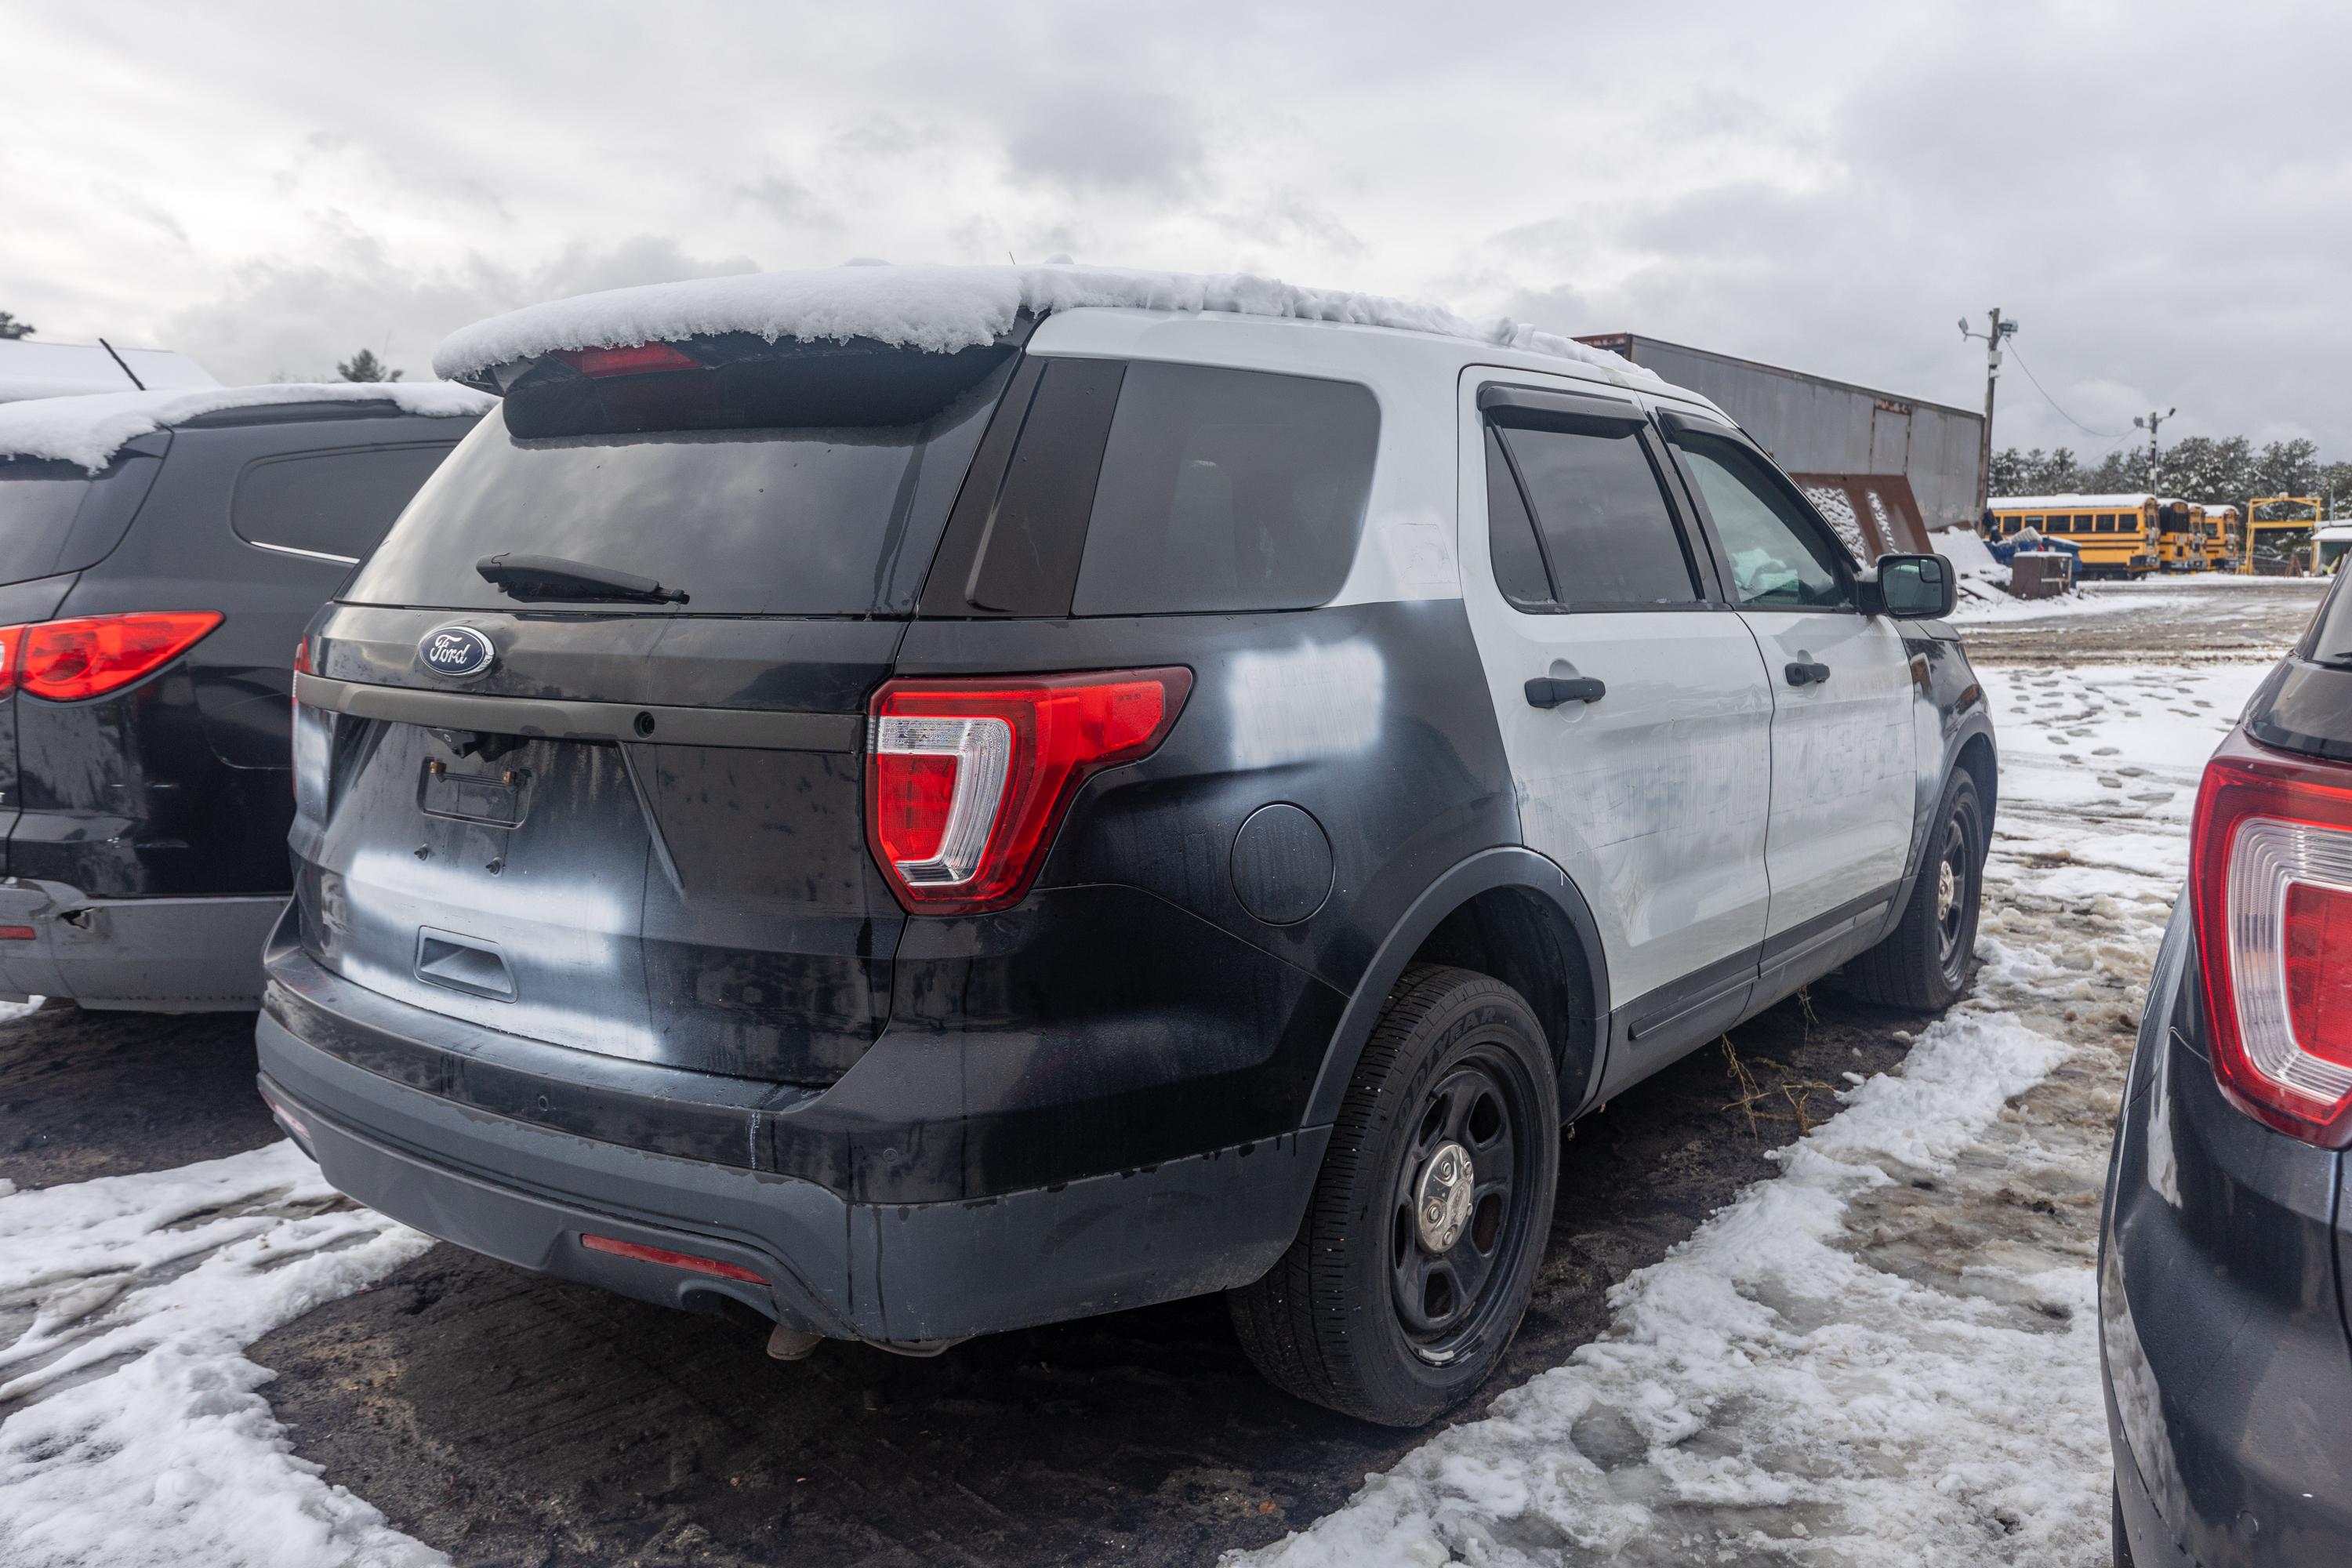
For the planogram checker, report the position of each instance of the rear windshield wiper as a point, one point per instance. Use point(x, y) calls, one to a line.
point(542, 579)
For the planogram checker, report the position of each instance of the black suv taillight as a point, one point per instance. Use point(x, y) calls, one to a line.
point(69, 661)
point(967, 780)
point(2270, 890)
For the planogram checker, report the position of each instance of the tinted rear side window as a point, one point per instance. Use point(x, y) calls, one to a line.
point(791, 520)
point(330, 503)
point(56, 517)
point(1601, 511)
point(1227, 490)
point(38, 502)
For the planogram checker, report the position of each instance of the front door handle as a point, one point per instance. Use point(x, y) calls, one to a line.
point(1803, 673)
point(1547, 691)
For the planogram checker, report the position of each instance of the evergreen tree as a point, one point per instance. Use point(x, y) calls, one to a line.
point(2286, 469)
point(11, 328)
point(2118, 473)
point(2034, 473)
point(364, 366)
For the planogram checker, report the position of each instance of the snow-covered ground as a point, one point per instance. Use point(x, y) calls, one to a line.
point(1887, 1355)
point(1883, 1356)
point(136, 1433)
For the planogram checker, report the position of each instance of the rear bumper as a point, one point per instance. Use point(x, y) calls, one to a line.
point(2224, 1355)
point(511, 1149)
point(162, 955)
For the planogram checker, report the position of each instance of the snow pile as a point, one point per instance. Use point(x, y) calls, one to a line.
point(137, 1433)
point(1970, 556)
point(89, 430)
point(1770, 1390)
point(1889, 1354)
point(941, 308)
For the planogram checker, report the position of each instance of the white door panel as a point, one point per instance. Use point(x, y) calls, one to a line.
point(1843, 776)
point(1654, 799)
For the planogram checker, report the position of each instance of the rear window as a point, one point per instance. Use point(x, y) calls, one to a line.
point(744, 513)
point(1226, 489)
point(330, 503)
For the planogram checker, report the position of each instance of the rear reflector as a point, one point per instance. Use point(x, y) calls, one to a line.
point(2271, 889)
point(66, 661)
point(668, 1259)
point(635, 360)
point(17, 933)
point(967, 780)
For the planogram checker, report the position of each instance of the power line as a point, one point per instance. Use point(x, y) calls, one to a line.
point(2070, 419)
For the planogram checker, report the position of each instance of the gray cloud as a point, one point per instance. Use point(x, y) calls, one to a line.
point(1099, 140)
point(294, 321)
point(1828, 187)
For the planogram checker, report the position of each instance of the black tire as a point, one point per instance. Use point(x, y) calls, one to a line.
point(1923, 965)
point(1365, 1313)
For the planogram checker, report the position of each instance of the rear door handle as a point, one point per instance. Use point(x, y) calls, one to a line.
point(1546, 691)
point(1802, 673)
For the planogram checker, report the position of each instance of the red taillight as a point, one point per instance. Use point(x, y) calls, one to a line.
point(634, 360)
point(2270, 890)
point(668, 1259)
point(967, 780)
point(66, 661)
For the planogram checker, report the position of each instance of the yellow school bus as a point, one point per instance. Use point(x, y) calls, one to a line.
point(2225, 537)
point(2115, 535)
point(2179, 536)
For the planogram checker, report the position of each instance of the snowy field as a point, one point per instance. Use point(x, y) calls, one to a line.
point(1884, 1355)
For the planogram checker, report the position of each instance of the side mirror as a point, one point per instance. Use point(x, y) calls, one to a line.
point(1911, 587)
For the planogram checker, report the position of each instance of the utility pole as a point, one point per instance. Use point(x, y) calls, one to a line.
point(1992, 336)
point(2149, 424)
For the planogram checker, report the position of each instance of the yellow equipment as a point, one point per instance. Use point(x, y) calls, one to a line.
point(2256, 523)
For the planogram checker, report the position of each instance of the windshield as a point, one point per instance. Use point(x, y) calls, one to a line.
point(785, 521)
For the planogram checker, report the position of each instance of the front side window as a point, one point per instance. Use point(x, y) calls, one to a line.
point(1779, 557)
point(1605, 534)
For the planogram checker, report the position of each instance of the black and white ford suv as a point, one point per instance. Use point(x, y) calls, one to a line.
point(920, 802)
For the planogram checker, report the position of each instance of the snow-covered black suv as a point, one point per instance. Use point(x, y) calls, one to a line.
point(920, 802)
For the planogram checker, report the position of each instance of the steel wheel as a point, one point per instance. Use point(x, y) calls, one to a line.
point(1457, 1218)
point(1418, 1253)
point(1955, 869)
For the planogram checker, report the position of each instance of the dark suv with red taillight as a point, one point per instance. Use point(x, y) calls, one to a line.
point(913, 803)
point(160, 553)
point(2221, 1290)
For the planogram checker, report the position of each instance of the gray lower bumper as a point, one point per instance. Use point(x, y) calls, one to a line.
point(899, 1273)
point(158, 955)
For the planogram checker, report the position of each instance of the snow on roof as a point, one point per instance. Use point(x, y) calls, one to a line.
point(90, 429)
point(2331, 532)
point(2069, 503)
point(941, 308)
point(30, 369)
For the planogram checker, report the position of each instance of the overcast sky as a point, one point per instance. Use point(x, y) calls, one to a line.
point(2159, 192)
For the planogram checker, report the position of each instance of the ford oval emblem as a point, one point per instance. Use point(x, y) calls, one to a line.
point(456, 650)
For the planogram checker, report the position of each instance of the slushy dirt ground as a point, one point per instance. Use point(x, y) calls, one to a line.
point(210, 1359)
